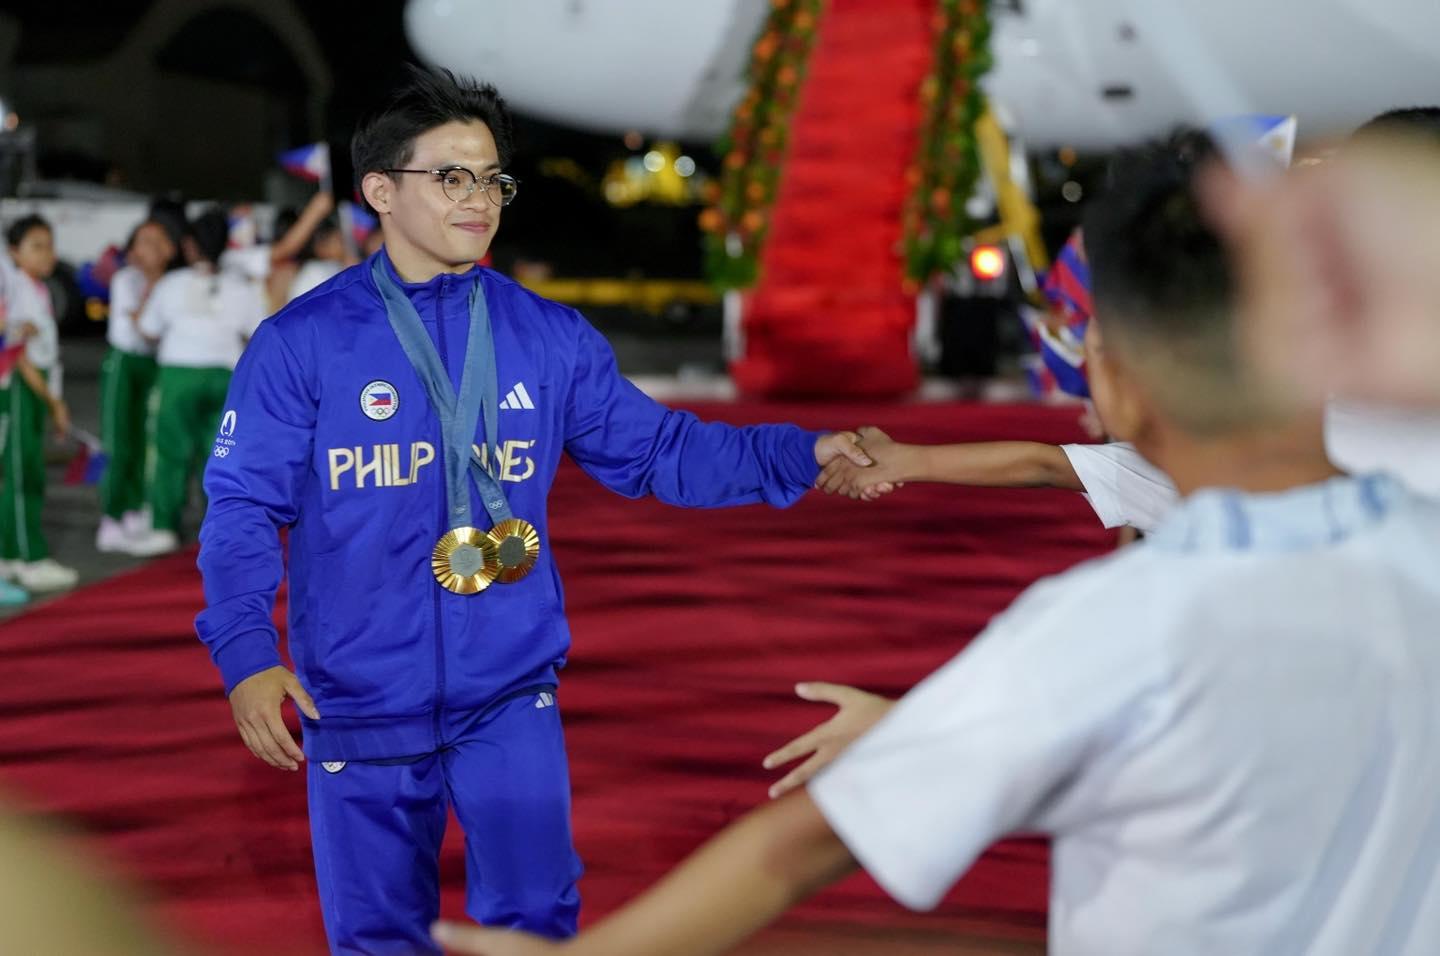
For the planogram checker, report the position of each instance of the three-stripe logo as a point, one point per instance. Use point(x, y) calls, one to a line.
point(518, 398)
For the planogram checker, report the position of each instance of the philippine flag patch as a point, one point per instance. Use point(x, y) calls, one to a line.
point(379, 400)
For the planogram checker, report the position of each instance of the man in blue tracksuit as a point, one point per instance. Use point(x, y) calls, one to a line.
point(410, 396)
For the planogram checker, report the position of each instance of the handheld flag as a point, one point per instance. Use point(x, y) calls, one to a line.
point(1270, 136)
point(88, 464)
point(310, 163)
point(361, 222)
point(1062, 344)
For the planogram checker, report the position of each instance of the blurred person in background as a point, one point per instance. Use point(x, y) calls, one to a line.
point(323, 258)
point(200, 318)
point(127, 378)
point(263, 262)
point(31, 396)
point(11, 593)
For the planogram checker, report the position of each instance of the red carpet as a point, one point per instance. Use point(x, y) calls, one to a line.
point(829, 316)
point(688, 638)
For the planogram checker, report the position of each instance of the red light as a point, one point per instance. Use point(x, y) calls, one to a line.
point(987, 262)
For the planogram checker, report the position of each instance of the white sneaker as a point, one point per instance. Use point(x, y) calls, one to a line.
point(152, 543)
point(45, 575)
point(112, 536)
point(136, 523)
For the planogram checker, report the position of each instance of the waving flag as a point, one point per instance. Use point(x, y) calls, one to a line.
point(310, 163)
point(244, 230)
point(361, 222)
point(1061, 343)
point(1270, 135)
point(88, 464)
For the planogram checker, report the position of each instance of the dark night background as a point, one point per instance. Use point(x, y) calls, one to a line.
point(204, 113)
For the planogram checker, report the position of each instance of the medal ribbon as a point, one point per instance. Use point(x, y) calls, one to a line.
point(459, 415)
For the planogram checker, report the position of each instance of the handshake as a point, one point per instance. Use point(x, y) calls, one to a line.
point(891, 466)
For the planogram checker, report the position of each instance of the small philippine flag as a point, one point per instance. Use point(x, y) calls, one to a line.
point(381, 399)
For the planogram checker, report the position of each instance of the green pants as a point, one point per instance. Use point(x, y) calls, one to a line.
point(126, 380)
point(186, 408)
point(22, 462)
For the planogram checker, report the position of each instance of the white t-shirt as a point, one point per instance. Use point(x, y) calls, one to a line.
point(1125, 489)
point(312, 274)
point(28, 301)
point(202, 319)
point(1229, 730)
point(252, 262)
point(127, 290)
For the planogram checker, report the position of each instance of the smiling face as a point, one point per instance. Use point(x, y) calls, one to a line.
point(426, 232)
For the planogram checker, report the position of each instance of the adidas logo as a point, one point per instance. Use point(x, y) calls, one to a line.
point(517, 398)
point(543, 700)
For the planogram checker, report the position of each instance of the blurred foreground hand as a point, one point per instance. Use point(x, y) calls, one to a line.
point(1339, 271)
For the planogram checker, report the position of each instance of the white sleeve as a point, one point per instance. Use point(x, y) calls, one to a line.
point(125, 295)
point(1122, 487)
point(22, 303)
point(987, 745)
point(251, 309)
point(250, 262)
point(153, 318)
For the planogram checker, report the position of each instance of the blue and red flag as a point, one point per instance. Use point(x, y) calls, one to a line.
point(361, 222)
point(310, 163)
point(1061, 343)
point(87, 466)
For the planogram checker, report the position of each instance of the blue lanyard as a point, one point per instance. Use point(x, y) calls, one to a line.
point(479, 391)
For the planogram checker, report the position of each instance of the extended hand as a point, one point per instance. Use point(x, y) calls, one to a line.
point(1336, 272)
point(256, 701)
point(859, 711)
point(480, 941)
point(887, 473)
point(840, 445)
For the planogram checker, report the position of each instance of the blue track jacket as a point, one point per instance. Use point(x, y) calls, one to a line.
point(329, 432)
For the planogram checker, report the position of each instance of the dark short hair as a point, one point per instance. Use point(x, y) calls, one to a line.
point(1155, 263)
point(211, 232)
point(169, 214)
point(1421, 121)
point(1164, 290)
point(20, 228)
point(431, 98)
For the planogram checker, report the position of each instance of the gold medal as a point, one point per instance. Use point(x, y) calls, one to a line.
point(517, 548)
point(465, 561)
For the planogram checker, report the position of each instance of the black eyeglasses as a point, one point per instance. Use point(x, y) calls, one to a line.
point(460, 183)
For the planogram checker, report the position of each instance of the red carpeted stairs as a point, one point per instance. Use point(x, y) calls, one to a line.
point(690, 629)
point(829, 316)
